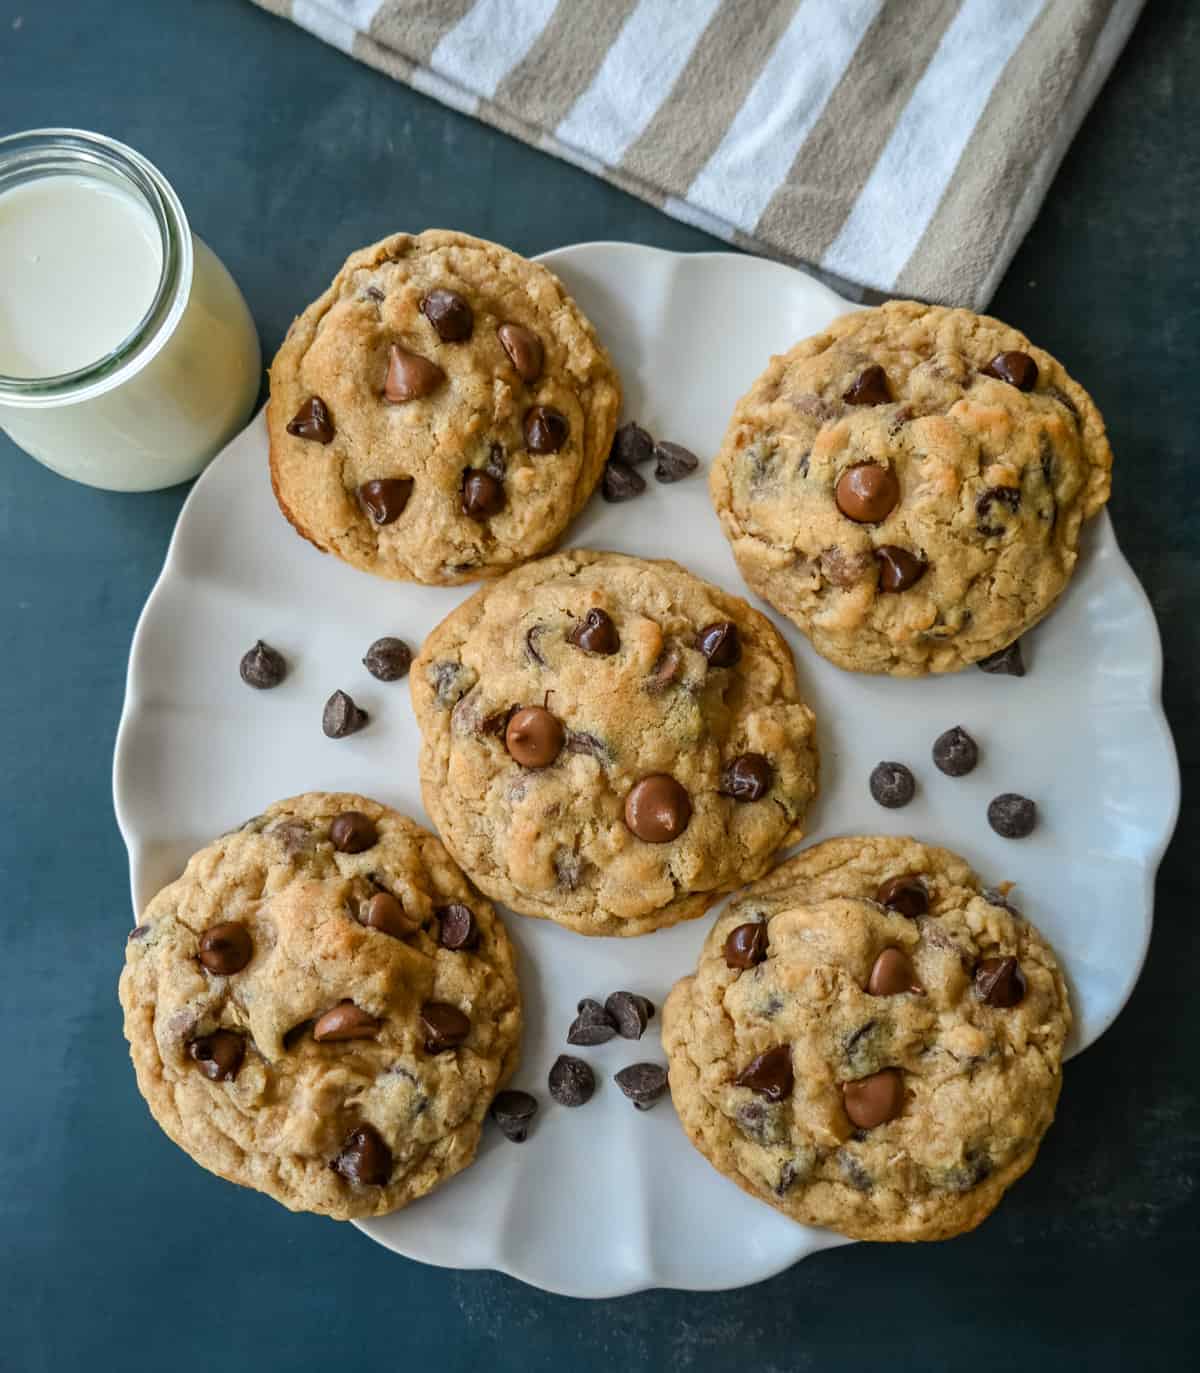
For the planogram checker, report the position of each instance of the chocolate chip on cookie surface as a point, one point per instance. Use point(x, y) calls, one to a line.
point(610, 742)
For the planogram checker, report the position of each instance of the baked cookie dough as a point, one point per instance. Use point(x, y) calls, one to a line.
point(441, 413)
point(611, 743)
point(908, 486)
point(870, 1041)
point(322, 1008)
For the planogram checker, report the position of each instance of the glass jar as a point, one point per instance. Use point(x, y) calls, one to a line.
point(86, 222)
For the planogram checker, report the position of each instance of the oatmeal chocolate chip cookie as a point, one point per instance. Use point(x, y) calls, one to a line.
point(908, 486)
point(295, 1021)
point(611, 743)
point(864, 1060)
point(441, 413)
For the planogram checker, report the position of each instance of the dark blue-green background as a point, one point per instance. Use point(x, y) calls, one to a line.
point(116, 1252)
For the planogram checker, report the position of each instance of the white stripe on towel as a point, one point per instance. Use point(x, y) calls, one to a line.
point(488, 42)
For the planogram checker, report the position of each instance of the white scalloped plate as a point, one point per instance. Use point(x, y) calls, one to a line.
point(606, 1200)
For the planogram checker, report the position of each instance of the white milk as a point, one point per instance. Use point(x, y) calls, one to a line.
point(100, 276)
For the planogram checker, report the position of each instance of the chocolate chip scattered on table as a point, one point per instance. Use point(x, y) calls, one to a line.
point(571, 1081)
point(342, 716)
point(1012, 816)
point(955, 753)
point(388, 659)
point(262, 667)
point(892, 784)
point(643, 1083)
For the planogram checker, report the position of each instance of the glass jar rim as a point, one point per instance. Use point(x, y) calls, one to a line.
point(37, 153)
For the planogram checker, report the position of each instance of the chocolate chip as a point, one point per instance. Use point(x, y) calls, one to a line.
point(456, 926)
point(658, 808)
point(906, 895)
point(770, 1074)
point(747, 778)
point(593, 1025)
point(534, 737)
point(621, 482)
point(531, 638)
point(673, 462)
point(892, 973)
point(642, 1083)
point(664, 671)
point(262, 667)
point(546, 429)
point(138, 932)
point(312, 421)
point(384, 498)
point(579, 741)
point(513, 1112)
point(364, 1159)
point(1000, 982)
point(892, 785)
point(874, 1100)
point(445, 1026)
point(871, 388)
point(571, 1081)
point(388, 659)
point(341, 716)
point(226, 948)
point(631, 445)
point(352, 832)
point(482, 495)
point(994, 499)
point(410, 376)
point(955, 753)
point(720, 643)
point(345, 1021)
point(524, 350)
point(1007, 662)
point(1012, 816)
point(219, 1054)
point(867, 493)
point(596, 633)
point(898, 568)
point(375, 294)
point(746, 945)
point(385, 913)
point(630, 1013)
point(450, 314)
point(1018, 369)
point(853, 1171)
point(1065, 401)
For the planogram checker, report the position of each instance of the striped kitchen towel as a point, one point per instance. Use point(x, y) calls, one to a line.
point(901, 146)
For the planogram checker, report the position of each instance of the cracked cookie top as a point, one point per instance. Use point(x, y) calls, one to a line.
point(870, 1041)
point(610, 742)
point(908, 486)
point(441, 413)
point(322, 1008)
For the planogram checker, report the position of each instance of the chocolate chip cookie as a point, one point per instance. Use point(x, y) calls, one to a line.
point(611, 743)
point(322, 1008)
point(908, 486)
point(870, 1042)
point(441, 413)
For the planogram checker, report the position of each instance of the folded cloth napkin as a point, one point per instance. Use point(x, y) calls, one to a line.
point(902, 146)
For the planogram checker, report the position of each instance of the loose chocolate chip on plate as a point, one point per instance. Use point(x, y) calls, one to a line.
point(384, 498)
point(1000, 982)
point(383, 912)
point(410, 376)
point(747, 778)
point(457, 929)
point(219, 1054)
point(770, 1074)
point(524, 350)
point(746, 945)
point(658, 808)
point(593, 1025)
point(1007, 662)
point(534, 737)
point(892, 785)
point(345, 1021)
point(388, 659)
point(621, 482)
point(1018, 369)
point(898, 568)
point(450, 314)
point(513, 1112)
point(596, 633)
point(546, 429)
point(874, 1100)
point(630, 1013)
point(445, 1026)
point(571, 1081)
point(262, 667)
point(341, 716)
point(867, 493)
point(364, 1158)
point(642, 1083)
point(312, 421)
point(955, 753)
point(720, 643)
point(673, 462)
point(632, 445)
point(226, 948)
point(870, 388)
point(1012, 816)
point(352, 832)
point(892, 973)
point(482, 495)
point(906, 894)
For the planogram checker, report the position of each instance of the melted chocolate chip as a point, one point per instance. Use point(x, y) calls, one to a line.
point(445, 1026)
point(571, 1081)
point(513, 1112)
point(450, 314)
point(989, 505)
point(262, 667)
point(658, 808)
point(892, 785)
point(341, 716)
point(720, 643)
point(482, 495)
point(456, 926)
point(747, 778)
point(955, 753)
point(621, 482)
point(867, 493)
point(220, 1054)
point(1018, 369)
point(892, 973)
point(1007, 662)
point(139, 932)
point(1012, 816)
point(642, 1083)
point(1000, 982)
point(673, 462)
point(746, 945)
point(388, 659)
point(898, 568)
point(534, 737)
point(874, 1100)
point(410, 376)
point(631, 445)
point(385, 913)
point(870, 388)
point(546, 429)
point(770, 1074)
point(364, 1158)
point(596, 633)
point(353, 832)
point(906, 895)
point(312, 421)
point(226, 948)
point(345, 1021)
point(524, 350)
point(384, 498)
